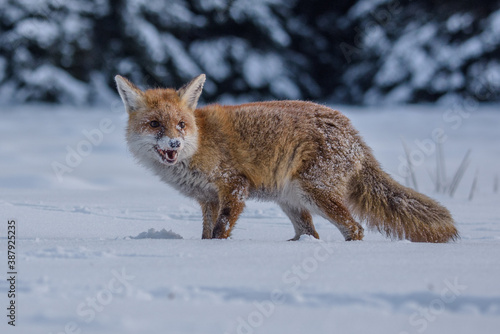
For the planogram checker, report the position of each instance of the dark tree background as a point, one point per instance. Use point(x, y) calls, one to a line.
point(361, 52)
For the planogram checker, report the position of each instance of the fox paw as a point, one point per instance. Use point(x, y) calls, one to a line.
point(220, 233)
point(355, 234)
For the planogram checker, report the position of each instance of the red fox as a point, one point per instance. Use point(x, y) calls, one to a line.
point(306, 157)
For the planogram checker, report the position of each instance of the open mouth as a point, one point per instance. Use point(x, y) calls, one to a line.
point(168, 156)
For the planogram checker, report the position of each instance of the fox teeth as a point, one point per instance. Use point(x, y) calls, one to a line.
point(167, 155)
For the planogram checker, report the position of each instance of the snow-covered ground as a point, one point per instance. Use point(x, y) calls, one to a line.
point(85, 266)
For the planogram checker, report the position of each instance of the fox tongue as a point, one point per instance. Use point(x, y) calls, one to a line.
point(171, 154)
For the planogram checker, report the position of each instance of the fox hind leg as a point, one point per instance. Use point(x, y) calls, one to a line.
point(332, 208)
point(301, 220)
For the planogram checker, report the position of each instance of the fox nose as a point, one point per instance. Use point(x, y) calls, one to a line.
point(174, 143)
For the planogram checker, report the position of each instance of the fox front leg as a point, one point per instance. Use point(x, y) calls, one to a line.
point(210, 211)
point(232, 196)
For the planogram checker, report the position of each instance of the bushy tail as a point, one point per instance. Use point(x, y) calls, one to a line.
point(397, 211)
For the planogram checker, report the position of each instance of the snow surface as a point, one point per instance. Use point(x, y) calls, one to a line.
point(80, 271)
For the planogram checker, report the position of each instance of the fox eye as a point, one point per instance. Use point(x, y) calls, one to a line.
point(154, 124)
point(182, 125)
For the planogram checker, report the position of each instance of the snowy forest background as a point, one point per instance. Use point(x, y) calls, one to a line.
point(346, 51)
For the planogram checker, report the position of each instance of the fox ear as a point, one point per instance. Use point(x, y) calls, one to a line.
point(132, 96)
point(190, 92)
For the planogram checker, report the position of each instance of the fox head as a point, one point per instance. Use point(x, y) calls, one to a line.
point(161, 124)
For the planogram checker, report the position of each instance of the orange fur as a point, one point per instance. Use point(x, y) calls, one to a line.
point(306, 157)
